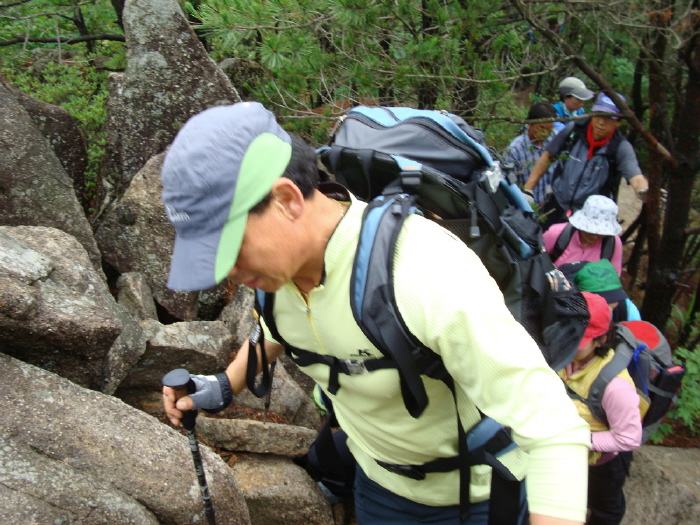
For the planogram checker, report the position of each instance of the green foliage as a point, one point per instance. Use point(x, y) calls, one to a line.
point(687, 409)
point(77, 87)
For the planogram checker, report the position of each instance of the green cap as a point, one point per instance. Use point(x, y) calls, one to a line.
point(600, 277)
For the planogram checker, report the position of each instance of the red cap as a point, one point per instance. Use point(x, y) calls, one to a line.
point(599, 323)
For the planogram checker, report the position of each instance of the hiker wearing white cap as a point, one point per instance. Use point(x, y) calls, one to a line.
point(247, 204)
point(572, 94)
point(591, 234)
point(593, 157)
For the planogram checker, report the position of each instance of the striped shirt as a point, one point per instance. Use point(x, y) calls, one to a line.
point(523, 154)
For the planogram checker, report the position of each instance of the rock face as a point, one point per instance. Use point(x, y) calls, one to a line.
point(34, 188)
point(279, 492)
point(135, 236)
point(287, 399)
point(38, 489)
point(242, 435)
point(72, 450)
point(56, 311)
point(78, 434)
point(169, 77)
point(62, 132)
point(201, 347)
point(663, 487)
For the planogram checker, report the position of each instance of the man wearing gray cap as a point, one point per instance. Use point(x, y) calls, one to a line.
point(572, 94)
point(593, 157)
point(247, 205)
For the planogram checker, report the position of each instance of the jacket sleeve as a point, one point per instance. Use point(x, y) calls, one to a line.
point(458, 310)
point(621, 405)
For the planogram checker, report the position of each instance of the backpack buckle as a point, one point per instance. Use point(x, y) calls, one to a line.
point(353, 367)
point(408, 471)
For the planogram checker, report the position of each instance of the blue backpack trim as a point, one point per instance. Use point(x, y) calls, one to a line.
point(390, 116)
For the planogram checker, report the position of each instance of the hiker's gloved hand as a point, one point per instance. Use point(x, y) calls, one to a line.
point(213, 392)
point(642, 194)
point(529, 196)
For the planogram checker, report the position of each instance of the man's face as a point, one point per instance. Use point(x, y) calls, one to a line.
point(268, 257)
point(539, 132)
point(603, 126)
point(573, 104)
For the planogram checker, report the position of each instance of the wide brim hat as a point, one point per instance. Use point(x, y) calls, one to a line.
point(599, 320)
point(598, 216)
point(221, 164)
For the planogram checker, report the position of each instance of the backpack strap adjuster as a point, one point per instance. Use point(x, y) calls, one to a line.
point(408, 471)
point(353, 367)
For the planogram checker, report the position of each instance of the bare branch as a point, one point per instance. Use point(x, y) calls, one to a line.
point(64, 40)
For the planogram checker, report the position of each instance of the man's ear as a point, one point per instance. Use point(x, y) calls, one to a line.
point(287, 197)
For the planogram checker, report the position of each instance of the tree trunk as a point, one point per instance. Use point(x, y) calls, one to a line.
point(668, 252)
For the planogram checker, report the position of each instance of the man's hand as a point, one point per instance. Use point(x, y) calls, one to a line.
point(529, 196)
point(213, 393)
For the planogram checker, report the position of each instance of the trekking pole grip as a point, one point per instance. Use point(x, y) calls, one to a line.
point(180, 381)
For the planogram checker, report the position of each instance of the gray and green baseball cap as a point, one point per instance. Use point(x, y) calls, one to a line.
point(221, 164)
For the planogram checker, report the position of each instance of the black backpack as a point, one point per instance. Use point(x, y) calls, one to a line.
point(578, 131)
point(606, 250)
point(416, 161)
point(435, 163)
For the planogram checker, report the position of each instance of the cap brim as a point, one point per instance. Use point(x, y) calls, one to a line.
point(613, 296)
point(604, 109)
point(584, 341)
point(192, 262)
point(586, 95)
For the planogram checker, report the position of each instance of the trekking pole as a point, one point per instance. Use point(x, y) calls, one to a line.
point(179, 380)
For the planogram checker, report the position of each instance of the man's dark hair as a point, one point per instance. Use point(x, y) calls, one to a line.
point(541, 110)
point(302, 170)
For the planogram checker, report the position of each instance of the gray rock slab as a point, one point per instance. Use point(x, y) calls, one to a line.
point(63, 316)
point(169, 77)
point(237, 315)
point(244, 435)
point(126, 350)
point(201, 347)
point(278, 492)
point(135, 236)
point(38, 489)
point(36, 189)
point(100, 437)
point(135, 296)
point(287, 399)
point(663, 487)
point(62, 133)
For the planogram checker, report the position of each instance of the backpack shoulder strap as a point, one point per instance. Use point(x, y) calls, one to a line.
point(373, 301)
point(607, 248)
point(562, 242)
point(263, 308)
point(614, 176)
point(623, 355)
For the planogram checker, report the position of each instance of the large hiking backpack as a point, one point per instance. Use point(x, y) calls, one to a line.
point(435, 163)
point(645, 353)
point(607, 248)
